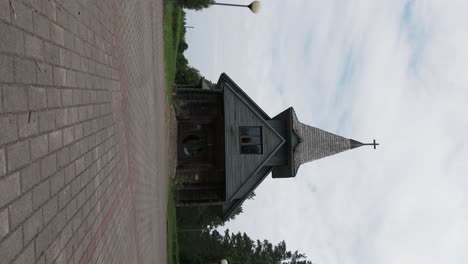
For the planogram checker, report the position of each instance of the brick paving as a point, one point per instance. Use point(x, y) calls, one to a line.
point(83, 135)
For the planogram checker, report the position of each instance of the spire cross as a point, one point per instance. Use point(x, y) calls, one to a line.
point(375, 144)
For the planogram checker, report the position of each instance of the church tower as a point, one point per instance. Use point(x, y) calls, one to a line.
point(227, 145)
point(306, 143)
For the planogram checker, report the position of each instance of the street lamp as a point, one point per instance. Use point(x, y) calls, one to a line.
point(254, 6)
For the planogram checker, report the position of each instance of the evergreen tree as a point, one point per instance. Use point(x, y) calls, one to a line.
point(206, 246)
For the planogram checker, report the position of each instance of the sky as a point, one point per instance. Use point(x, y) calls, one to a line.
point(392, 70)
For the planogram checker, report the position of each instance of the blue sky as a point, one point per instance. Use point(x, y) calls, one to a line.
point(391, 70)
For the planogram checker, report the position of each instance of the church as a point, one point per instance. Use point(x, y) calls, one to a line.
point(227, 145)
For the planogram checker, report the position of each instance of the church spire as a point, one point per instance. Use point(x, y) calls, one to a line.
point(357, 144)
point(315, 143)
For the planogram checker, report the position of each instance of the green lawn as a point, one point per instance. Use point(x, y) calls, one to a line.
point(173, 23)
point(172, 248)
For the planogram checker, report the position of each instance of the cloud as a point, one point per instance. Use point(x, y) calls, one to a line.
point(390, 70)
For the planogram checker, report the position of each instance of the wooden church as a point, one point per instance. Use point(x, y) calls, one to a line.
point(227, 145)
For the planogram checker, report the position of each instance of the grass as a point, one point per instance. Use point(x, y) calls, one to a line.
point(172, 246)
point(173, 24)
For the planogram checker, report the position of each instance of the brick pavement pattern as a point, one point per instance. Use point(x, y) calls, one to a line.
point(83, 134)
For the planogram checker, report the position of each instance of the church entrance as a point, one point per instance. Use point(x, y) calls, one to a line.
point(195, 143)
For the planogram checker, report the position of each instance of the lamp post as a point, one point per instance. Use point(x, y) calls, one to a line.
point(254, 6)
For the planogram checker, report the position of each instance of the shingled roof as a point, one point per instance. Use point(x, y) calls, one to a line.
point(315, 143)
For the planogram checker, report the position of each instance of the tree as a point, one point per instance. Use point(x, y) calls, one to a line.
point(206, 246)
point(187, 74)
point(196, 4)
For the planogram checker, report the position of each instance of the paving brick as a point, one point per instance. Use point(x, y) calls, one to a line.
point(80, 80)
point(49, 9)
point(4, 223)
point(53, 97)
point(58, 35)
point(82, 113)
point(71, 78)
point(61, 117)
point(43, 239)
point(27, 256)
point(60, 76)
point(79, 46)
point(8, 131)
point(63, 157)
point(41, 260)
point(69, 172)
point(55, 140)
point(57, 182)
point(12, 39)
point(73, 23)
point(66, 235)
point(41, 26)
point(30, 176)
point(25, 71)
point(5, 10)
point(69, 40)
point(76, 96)
point(1, 100)
point(39, 147)
point(40, 194)
point(33, 46)
point(74, 151)
point(75, 186)
point(37, 98)
point(28, 124)
point(9, 188)
point(51, 53)
point(50, 209)
point(72, 115)
point(78, 131)
point(52, 252)
point(46, 120)
point(67, 98)
point(14, 99)
point(79, 164)
point(68, 135)
point(18, 155)
point(64, 197)
point(20, 209)
point(2, 162)
point(59, 222)
point(32, 226)
point(44, 74)
point(11, 246)
point(48, 165)
point(76, 61)
point(6, 67)
point(35, 4)
point(24, 16)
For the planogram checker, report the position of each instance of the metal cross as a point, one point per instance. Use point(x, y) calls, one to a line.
point(375, 144)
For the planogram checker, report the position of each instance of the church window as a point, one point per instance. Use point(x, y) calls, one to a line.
point(251, 140)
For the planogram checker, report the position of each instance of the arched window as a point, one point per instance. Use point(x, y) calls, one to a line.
point(194, 146)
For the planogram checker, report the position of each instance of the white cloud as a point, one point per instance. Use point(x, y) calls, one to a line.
point(393, 70)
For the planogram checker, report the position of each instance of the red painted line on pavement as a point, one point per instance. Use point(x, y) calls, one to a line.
point(90, 249)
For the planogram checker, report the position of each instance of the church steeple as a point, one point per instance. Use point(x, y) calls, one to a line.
point(315, 143)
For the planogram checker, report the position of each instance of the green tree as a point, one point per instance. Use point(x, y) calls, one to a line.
point(206, 246)
point(196, 4)
point(187, 74)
